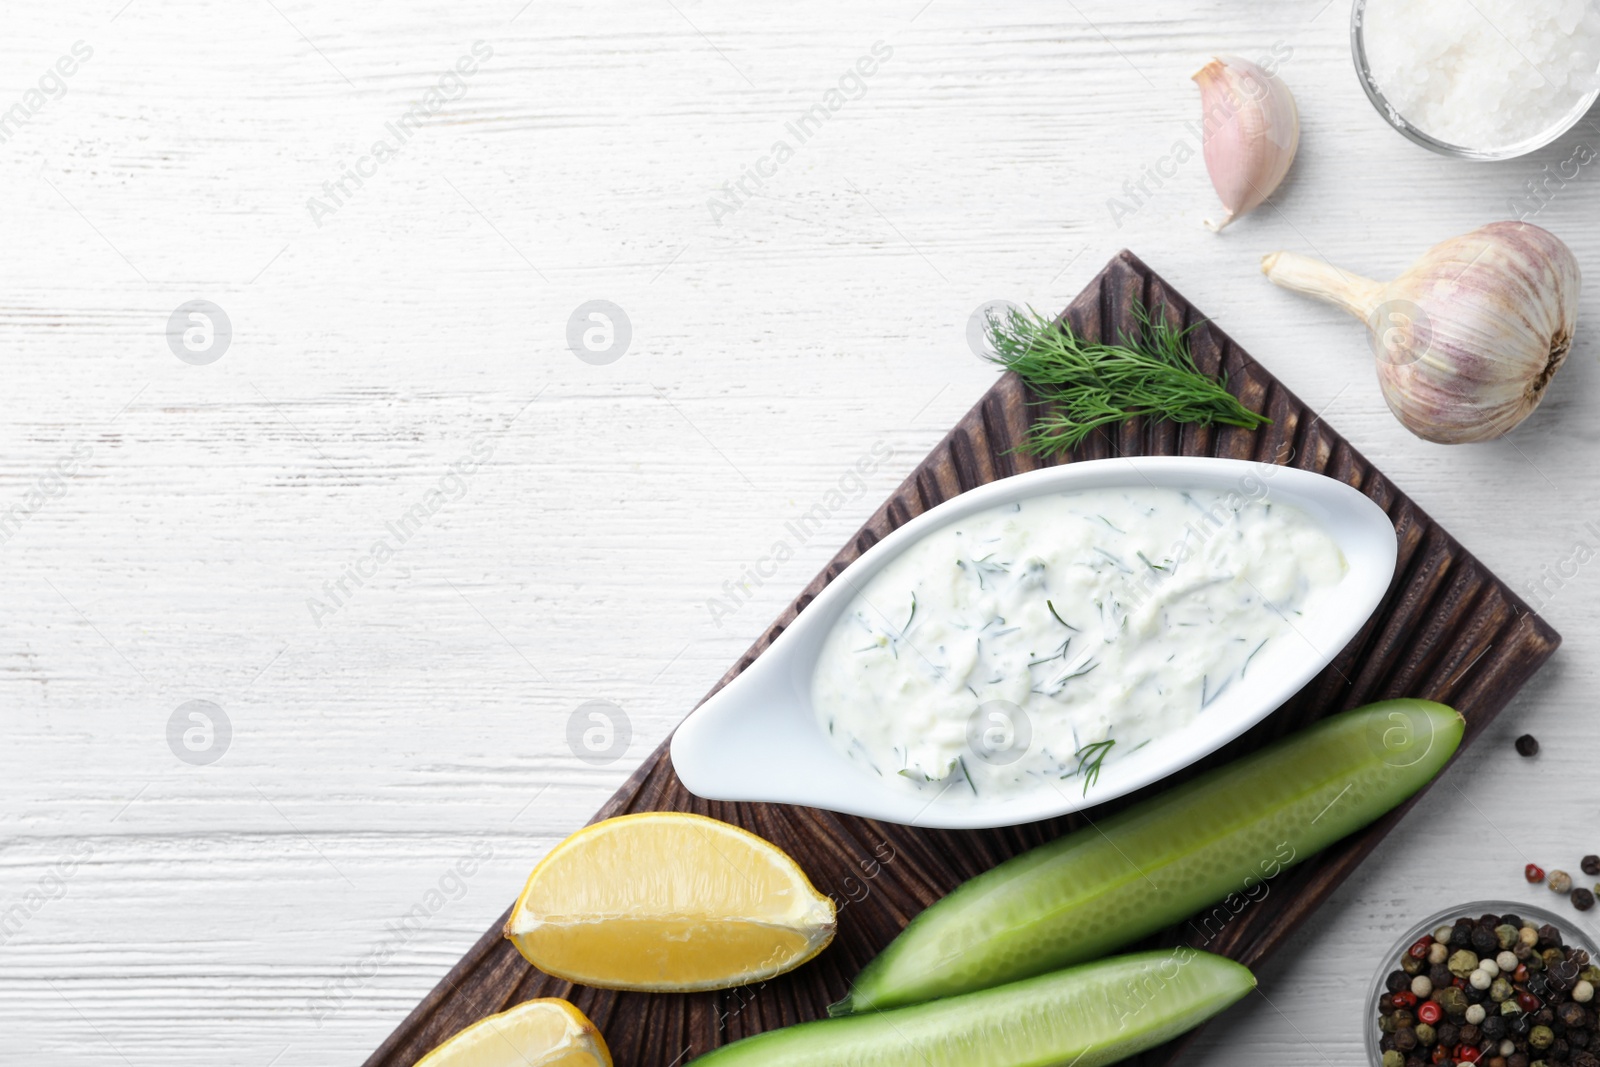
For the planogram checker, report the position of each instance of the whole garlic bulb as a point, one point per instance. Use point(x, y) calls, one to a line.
point(1467, 339)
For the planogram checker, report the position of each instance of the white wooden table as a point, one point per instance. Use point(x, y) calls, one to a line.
point(208, 531)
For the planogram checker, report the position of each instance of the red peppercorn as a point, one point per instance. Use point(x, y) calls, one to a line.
point(1529, 1002)
point(1441, 1053)
point(1459, 983)
point(1404, 1000)
point(1430, 1012)
point(1420, 949)
point(1520, 975)
point(1533, 872)
point(1467, 1054)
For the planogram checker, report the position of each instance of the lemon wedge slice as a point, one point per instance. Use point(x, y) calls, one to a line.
point(535, 1033)
point(668, 902)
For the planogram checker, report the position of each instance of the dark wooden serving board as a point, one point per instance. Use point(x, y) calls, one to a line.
point(1447, 630)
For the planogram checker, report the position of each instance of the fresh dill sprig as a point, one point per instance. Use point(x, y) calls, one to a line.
point(1090, 384)
point(1090, 757)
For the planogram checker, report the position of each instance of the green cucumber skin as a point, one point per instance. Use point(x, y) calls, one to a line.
point(1218, 838)
point(1089, 1015)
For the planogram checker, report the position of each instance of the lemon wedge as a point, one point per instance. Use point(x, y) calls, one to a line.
point(668, 902)
point(535, 1033)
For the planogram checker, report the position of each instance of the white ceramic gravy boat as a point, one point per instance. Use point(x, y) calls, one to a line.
point(759, 739)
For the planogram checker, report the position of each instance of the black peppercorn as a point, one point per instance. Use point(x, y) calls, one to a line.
point(1493, 1027)
point(1583, 1059)
point(1386, 1043)
point(1511, 920)
point(1544, 1017)
point(1517, 1059)
point(1519, 1025)
point(1484, 942)
point(1527, 745)
point(1461, 936)
point(1397, 981)
point(1470, 1035)
point(1590, 864)
point(1549, 936)
point(1538, 984)
point(1439, 975)
point(1405, 1039)
point(1582, 899)
point(1448, 1033)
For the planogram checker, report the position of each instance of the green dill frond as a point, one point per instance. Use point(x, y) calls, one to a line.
point(1089, 384)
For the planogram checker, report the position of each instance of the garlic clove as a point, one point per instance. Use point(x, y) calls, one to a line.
point(1250, 130)
point(1468, 339)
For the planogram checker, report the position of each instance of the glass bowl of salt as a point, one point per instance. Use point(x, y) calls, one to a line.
point(1478, 79)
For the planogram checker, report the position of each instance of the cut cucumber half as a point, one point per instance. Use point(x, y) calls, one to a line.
point(1214, 842)
point(1090, 1015)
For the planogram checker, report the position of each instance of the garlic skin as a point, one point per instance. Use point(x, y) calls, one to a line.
point(1251, 132)
point(1469, 337)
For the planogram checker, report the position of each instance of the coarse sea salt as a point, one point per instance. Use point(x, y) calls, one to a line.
point(1483, 74)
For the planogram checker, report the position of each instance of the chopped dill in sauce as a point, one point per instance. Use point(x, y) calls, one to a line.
point(1001, 653)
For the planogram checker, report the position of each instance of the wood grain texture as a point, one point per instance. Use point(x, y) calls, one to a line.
point(1447, 630)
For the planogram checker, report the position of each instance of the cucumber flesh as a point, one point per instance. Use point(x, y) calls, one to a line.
point(1094, 1014)
point(1218, 838)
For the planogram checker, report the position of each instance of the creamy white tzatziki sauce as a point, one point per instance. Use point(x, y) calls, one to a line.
point(1034, 642)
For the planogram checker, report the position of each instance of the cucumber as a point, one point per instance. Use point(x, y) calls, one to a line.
point(1220, 837)
point(1094, 1014)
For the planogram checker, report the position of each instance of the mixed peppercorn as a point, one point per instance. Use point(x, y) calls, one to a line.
point(1494, 991)
point(1561, 881)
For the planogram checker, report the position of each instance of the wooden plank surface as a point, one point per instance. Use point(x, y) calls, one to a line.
point(1447, 630)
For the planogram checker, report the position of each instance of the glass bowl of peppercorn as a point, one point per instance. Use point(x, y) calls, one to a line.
point(1490, 983)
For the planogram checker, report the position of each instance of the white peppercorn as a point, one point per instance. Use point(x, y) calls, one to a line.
point(1490, 967)
point(1506, 961)
point(1479, 979)
point(1583, 992)
point(1475, 1014)
point(1422, 986)
point(1560, 882)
